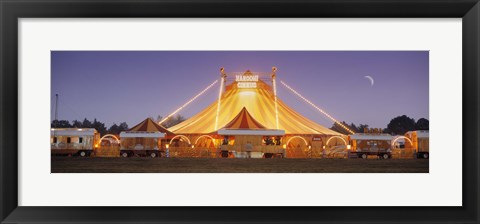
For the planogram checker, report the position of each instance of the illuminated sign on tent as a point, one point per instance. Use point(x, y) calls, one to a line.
point(246, 81)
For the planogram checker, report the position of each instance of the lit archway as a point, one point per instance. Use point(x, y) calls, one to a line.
point(110, 136)
point(304, 140)
point(205, 136)
point(181, 136)
point(401, 137)
point(338, 137)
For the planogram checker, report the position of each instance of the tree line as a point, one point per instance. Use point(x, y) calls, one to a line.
point(397, 126)
point(99, 126)
point(114, 129)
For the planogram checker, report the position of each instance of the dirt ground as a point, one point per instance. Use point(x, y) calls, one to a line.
point(221, 165)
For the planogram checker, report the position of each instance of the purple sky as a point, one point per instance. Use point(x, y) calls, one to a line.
point(116, 86)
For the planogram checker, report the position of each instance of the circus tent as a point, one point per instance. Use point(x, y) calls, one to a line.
point(259, 102)
point(148, 125)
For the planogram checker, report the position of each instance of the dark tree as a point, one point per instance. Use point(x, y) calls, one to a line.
point(116, 129)
point(77, 124)
point(422, 124)
point(100, 127)
point(123, 126)
point(61, 124)
point(401, 124)
point(361, 128)
point(353, 127)
point(86, 123)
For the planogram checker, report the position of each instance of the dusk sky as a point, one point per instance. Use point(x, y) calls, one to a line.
point(117, 86)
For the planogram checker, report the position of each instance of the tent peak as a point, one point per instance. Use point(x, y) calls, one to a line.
point(248, 72)
point(244, 120)
point(149, 125)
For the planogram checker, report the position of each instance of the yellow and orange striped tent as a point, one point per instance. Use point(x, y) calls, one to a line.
point(244, 120)
point(148, 125)
point(260, 103)
point(245, 124)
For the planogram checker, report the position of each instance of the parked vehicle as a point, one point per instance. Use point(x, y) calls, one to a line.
point(73, 141)
point(420, 141)
point(364, 145)
point(140, 143)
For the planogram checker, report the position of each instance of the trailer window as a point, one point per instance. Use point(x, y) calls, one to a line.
point(80, 140)
point(69, 139)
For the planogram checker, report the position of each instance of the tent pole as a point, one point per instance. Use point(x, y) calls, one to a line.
point(274, 70)
point(223, 76)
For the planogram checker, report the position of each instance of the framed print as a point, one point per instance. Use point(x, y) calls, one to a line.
point(251, 117)
point(224, 111)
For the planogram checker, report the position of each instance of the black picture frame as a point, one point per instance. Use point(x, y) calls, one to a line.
point(11, 11)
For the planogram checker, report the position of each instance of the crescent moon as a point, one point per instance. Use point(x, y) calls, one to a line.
point(370, 78)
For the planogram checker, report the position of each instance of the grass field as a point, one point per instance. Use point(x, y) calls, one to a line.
point(219, 165)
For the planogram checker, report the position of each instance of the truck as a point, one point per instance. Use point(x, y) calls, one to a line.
point(73, 141)
point(363, 145)
point(420, 142)
point(140, 143)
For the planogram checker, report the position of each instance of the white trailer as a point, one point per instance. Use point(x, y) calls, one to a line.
point(73, 141)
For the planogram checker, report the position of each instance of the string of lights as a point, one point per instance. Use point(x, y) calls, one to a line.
point(188, 102)
point(316, 107)
point(218, 103)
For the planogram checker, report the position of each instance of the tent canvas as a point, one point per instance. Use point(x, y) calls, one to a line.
point(260, 102)
point(245, 124)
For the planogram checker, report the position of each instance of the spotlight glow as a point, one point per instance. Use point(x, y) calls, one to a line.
point(188, 102)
